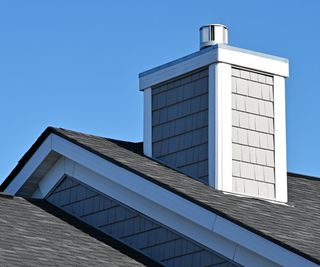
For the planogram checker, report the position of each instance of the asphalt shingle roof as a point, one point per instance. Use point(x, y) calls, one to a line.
point(294, 226)
point(32, 236)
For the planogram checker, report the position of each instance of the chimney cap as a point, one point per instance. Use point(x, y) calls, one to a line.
point(212, 34)
point(213, 24)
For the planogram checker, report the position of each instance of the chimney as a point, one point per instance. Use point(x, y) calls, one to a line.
point(218, 115)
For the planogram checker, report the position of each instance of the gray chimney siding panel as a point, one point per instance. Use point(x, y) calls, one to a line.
point(131, 227)
point(180, 109)
point(180, 124)
point(252, 133)
point(181, 142)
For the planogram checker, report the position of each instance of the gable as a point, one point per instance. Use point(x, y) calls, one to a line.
point(169, 197)
point(130, 226)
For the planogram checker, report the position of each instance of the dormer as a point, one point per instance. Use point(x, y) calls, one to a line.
point(218, 115)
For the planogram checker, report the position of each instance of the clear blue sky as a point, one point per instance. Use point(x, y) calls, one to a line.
point(74, 64)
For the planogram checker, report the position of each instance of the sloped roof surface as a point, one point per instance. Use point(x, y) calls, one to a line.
point(31, 236)
point(294, 226)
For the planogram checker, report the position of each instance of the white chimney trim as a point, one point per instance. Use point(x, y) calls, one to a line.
point(147, 122)
point(212, 126)
point(220, 146)
point(217, 53)
point(240, 57)
point(177, 68)
point(281, 183)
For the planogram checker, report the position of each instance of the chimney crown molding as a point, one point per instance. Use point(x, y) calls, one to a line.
point(218, 53)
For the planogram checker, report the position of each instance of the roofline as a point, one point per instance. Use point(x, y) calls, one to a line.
point(49, 130)
point(26, 157)
point(52, 130)
point(304, 176)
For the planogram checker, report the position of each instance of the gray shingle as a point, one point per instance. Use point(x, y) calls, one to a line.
point(30, 236)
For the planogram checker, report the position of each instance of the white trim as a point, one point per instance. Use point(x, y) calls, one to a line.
point(185, 217)
point(253, 61)
point(30, 167)
point(147, 122)
point(61, 167)
point(178, 69)
point(223, 118)
point(220, 53)
point(280, 140)
point(212, 125)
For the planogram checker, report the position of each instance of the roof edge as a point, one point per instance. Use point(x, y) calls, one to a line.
point(22, 162)
point(304, 176)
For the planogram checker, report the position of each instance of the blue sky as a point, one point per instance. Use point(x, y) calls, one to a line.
point(75, 64)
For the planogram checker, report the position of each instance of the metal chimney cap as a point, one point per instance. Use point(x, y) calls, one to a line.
point(215, 24)
point(212, 34)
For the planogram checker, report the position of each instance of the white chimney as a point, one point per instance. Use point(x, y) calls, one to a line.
point(213, 34)
point(218, 115)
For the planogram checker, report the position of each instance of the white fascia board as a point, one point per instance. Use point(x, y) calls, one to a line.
point(199, 224)
point(223, 130)
point(28, 169)
point(261, 246)
point(147, 122)
point(218, 53)
point(280, 152)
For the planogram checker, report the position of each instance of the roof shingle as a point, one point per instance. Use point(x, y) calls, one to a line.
point(31, 236)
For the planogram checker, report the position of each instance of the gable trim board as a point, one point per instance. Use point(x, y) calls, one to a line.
point(214, 54)
point(224, 226)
